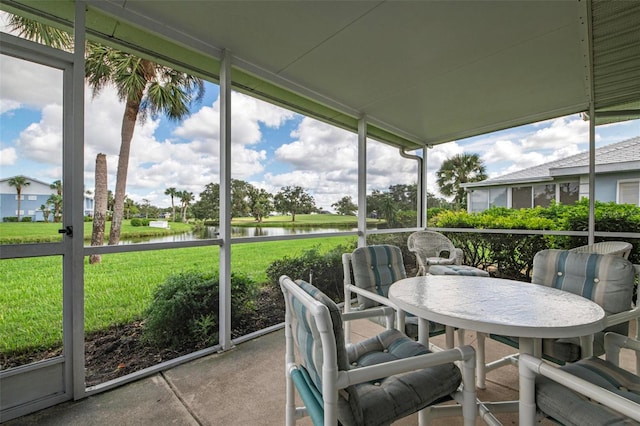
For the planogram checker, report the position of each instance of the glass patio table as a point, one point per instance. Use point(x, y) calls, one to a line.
point(493, 305)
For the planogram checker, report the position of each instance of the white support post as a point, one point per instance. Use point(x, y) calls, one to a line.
point(73, 166)
point(422, 220)
point(592, 174)
point(362, 182)
point(225, 202)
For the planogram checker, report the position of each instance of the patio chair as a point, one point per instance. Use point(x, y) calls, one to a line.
point(373, 269)
point(374, 382)
point(433, 248)
point(607, 280)
point(589, 392)
point(614, 248)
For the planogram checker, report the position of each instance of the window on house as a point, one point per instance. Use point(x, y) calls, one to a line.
point(569, 192)
point(629, 192)
point(33, 197)
point(21, 197)
point(498, 197)
point(521, 197)
point(543, 195)
point(479, 200)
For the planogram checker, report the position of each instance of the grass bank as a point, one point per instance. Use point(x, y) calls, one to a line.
point(119, 289)
point(40, 232)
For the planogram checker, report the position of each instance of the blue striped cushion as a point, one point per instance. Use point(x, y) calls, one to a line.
point(570, 408)
point(607, 280)
point(307, 337)
point(375, 268)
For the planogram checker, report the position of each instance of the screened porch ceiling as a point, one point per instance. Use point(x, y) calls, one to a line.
point(422, 72)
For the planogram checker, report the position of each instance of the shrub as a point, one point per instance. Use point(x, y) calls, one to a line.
point(10, 219)
point(26, 219)
point(139, 222)
point(325, 268)
point(184, 311)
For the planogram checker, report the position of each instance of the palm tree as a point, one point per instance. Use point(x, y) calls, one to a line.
point(172, 192)
point(185, 198)
point(19, 182)
point(146, 87)
point(57, 200)
point(459, 169)
point(100, 206)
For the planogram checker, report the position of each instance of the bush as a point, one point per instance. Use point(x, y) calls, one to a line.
point(139, 222)
point(26, 219)
point(184, 311)
point(326, 269)
point(10, 219)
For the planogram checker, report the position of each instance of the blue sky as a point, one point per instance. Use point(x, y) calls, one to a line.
point(272, 147)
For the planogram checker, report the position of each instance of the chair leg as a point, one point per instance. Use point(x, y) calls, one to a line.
point(480, 362)
point(449, 337)
point(290, 404)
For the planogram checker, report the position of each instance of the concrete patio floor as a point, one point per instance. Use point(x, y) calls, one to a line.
point(244, 386)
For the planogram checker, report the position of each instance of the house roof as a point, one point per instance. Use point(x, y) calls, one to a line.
point(421, 72)
point(29, 179)
point(617, 157)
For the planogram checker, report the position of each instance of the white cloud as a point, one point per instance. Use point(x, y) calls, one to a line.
point(562, 131)
point(26, 84)
point(8, 156)
point(42, 141)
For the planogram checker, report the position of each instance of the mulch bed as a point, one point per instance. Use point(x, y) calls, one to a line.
point(120, 350)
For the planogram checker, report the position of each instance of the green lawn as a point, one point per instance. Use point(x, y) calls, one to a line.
point(119, 289)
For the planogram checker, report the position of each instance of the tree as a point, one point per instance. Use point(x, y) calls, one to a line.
point(294, 199)
point(18, 182)
point(57, 200)
point(208, 207)
point(129, 208)
point(405, 196)
point(172, 192)
point(46, 211)
point(388, 210)
point(185, 198)
point(345, 206)
point(145, 207)
point(146, 87)
point(260, 202)
point(99, 207)
point(459, 169)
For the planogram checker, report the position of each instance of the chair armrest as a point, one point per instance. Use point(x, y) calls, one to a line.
point(373, 372)
point(380, 311)
point(529, 366)
point(622, 317)
point(370, 295)
point(613, 342)
point(459, 256)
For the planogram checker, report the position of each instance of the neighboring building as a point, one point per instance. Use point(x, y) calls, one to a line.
point(33, 197)
point(566, 181)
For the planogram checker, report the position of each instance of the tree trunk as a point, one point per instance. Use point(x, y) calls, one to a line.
point(19, 195)
point(128, 124)
point(99, 207)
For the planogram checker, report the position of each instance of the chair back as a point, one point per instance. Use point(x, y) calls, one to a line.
point(614, 248)
point(375, 268)
point(430, 244)
point(607, 280)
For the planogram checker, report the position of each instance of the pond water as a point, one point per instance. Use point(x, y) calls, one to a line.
point(236, 231)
